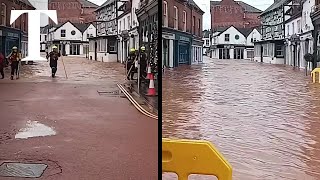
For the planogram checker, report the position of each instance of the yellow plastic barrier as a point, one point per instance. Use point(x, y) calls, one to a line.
point(313, 74)
point(186, 157)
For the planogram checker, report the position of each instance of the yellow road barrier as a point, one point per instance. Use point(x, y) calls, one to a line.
point(186, 157)
point(314, 73)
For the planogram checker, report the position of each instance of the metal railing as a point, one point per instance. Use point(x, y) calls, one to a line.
point(186, 157)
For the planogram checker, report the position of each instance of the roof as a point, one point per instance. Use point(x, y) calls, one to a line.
point(247, 7)
point(88, 4)
point(274, 6)
point(105, 4)
point(27, 3)
point(44, 29)
point(206, 33)
point(195, 5)
point(245, 31)
point(81, 27)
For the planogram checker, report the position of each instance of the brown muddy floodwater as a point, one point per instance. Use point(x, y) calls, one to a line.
point(265, 119)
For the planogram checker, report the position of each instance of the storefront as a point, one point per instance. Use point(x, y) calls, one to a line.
point(197, 51)
point(182, 49)
point(9, 38)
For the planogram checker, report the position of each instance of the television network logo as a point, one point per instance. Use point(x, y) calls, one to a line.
point(33, 30)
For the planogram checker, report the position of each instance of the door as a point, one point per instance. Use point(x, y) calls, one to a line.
point(165, 57)
point(183, 53)
point(95, 51)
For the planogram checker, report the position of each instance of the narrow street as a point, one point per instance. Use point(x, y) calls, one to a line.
point(263, 118)
point(80, 133)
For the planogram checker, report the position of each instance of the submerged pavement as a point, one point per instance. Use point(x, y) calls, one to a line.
point(68, 125)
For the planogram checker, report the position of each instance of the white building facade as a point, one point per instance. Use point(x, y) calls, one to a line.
point(103, 47)
point(234, 43)
point(124, 23)
point(43, 38)
point(206, 42)
point(71, 38)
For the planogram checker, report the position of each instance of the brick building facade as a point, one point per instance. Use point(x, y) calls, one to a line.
point(75, 11)
point(181, 32)
point(17, 33)
point(236, 13)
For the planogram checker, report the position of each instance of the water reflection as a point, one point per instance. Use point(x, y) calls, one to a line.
point(263, 118)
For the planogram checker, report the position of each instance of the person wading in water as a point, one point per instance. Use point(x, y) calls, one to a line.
point(14, 60)
point(54, 56)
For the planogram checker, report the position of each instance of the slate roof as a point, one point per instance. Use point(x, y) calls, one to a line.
point(44, 29)
point(247, 7)
point(274, 6)
point(88, 4)
point(105, 4)
point(245, 31)
point(80, 26)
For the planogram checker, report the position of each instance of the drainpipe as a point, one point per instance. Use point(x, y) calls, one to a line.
point(315, 43)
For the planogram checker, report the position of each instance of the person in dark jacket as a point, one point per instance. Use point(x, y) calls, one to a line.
point(14, 60)
point(2, 62)
point(143, 63)
point(130, 64)
point(53, 57)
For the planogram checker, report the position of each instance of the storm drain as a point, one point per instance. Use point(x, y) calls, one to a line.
point(23, 170)
point(116, 93)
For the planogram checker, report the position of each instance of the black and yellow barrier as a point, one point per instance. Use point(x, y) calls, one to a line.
point(186, 157)
point(314, 74)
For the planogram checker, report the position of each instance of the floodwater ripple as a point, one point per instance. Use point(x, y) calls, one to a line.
point(263, 118)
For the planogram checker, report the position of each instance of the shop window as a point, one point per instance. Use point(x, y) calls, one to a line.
point(279, 50)
point(3, 14)
point(112, 45)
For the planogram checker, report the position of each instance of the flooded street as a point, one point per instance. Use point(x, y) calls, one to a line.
point(263, 118)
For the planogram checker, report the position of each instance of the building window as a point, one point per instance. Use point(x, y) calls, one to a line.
point(194, 24)
point(199, 26)
point(207, 42)
point(227, 37)
point(288, 29)
point(73, 32)
point(112, 46)
point(299, 26)
point(124, 24)
point(237, 37)
point(129, 22)
point(45, 37)
point(279, 51)
point(3, 14)
point(119, 27)
point(165, 13)
point(292, 27)
point(184, 21)
point(175, 26)
point(14, 23)
point(63, 33)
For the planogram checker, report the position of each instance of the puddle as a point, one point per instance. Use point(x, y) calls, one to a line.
point(35, 129)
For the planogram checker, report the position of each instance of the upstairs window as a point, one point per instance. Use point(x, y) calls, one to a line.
point(184, 21)
point(3, 14)
point(14, 23)
point(175, 25)
point(165, 13)
point(63, 33)
point(227, 37)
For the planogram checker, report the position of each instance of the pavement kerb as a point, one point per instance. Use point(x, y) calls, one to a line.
point(136, 104)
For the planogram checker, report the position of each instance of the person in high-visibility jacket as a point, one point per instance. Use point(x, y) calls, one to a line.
point(143, 62)
point(130, 64)
point(14, 59)
point(54, 56)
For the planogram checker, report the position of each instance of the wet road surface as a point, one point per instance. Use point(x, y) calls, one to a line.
point(67, 125)
point(263, 118)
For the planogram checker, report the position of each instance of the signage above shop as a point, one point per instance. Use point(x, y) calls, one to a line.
point(13, 34)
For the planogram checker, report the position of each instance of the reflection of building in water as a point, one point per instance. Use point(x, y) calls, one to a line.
point(75, 11)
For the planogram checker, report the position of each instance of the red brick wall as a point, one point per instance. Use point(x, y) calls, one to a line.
point(71, 10)
point(190, 13)
point(230, 13)
point(19, 22)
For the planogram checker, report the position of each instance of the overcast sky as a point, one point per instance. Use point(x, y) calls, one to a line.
point(203, 4)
